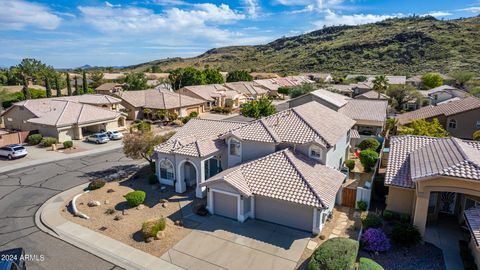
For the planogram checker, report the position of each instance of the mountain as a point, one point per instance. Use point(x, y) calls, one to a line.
point(395, 46)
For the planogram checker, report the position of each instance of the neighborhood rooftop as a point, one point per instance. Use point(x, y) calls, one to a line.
point(365, 109)
point(371, 95)
point(158, 99)
point(284, 175)
point(472, 217)
point(335, 99)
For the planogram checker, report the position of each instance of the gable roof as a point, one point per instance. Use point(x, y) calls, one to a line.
point(108, 86)
point(441, 88)
point(335, 99)
point(247, 88)
point(446, 109)
point(310, 122)
point(158, 99)
point(371, 95)
point(365, 109)
point(206, 92)
point(284, 175)
point(414, 158)
point(93, 99)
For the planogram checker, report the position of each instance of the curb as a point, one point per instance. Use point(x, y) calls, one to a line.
point(49, 220)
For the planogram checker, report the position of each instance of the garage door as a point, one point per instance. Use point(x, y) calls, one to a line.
point(225, 205)
point(284, 213)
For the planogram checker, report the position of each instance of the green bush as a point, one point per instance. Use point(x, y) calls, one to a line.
point(152, 179)
point(224, 110)
point(362, 205)
point(135, 198)
point(335, 254)
point(48, 141)
point(388, 215)
point(67, 144)
point(193, 114)
point(34, 139)
point(368, 158)
point(350, 164)
point(406, 234)
point(150, 228)
point(96, 184)
point(370, 220)
point(186, 119)
point(476, 135)
point(369, 264)
point(369, 143)
point(405, 218)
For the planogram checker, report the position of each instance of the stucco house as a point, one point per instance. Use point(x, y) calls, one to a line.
point(433, 178)
point(461, 118)
point(290, 81)
point(136, 101)
point(282, 168)
point(62, 118)
point(371, 78)
point(443, 94)
point(215, 95)
point(250, 89)
point(109, 88)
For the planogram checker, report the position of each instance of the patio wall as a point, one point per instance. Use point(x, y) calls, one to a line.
point(13, 138)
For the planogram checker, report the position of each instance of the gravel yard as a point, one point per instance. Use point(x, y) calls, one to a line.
point(127, 229)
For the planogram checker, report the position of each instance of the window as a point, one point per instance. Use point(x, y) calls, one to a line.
point(166, 170)
point(315, 152)
point(234, 147)
point(452, 124)
point(477, 124)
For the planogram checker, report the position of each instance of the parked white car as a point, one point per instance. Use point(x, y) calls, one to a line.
point(98, 138)
point(114, 135)
point(12, 151)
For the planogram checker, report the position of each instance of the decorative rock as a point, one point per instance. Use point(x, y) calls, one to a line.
point(110, 190)
point(160, 235)
point(140, 207)
point(124, 212)
point(118, 217)
point(149, 239)
point(93, 203)
point(322, 237)
point(164, 205)
point(178, 222)
point(163, 201)
point(106, 202)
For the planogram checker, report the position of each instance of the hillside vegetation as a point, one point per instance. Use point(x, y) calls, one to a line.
point(403, 46)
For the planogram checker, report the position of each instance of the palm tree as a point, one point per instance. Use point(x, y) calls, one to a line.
point(380, 84)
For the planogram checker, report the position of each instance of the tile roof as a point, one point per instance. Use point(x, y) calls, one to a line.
point(108, 86)
point(290, 81)
point(447, 109)
point(371, 95)
point(438, 89)
point(93, 99)
point(413, 158)
point(366, 109)
point(158, 99)
point(61, 112)
point(306, 123)
point(472, 216)
point(199, 137)
point(333, 98)
point(206, 92)
point(247, 88)
point(370, 78)
point(354, 134)
point(284, 175)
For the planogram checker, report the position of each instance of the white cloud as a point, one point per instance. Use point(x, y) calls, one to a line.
point(331, 18)
point(170, 2)
point(471, 9)
point(437, 14)
point(108, 4)
point(253, 7)
point(18, 14)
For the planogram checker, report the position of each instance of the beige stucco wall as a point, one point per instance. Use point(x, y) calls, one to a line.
point(400, 200)
point(66, 135)
point(16, 118)
point(466, 124)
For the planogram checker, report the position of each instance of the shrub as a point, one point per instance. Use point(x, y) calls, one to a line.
point(186, 119)
point(34, 139)
point(96, 184)
point(224, 110)
point(406, 234)
point(388, 215)
point(335, 254)
point(67, 144)
point(476, 135)
point(202, 211)
point(368, 158)
point(362, 205)
point(404, 218)
point(48, 141)
point(369, 143)
point(375, 240)
point(177, 122)
point(193, 114)
point(368, 264)
point(152, 179)
point(371, 220)
point(350, 164)
point(135, 198)
point(150, 228)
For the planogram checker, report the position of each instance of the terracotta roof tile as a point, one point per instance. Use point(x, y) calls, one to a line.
point(158, 99)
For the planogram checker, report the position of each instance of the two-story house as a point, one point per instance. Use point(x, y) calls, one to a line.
point(283, 168)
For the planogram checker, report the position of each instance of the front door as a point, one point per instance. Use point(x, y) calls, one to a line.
point(447, 202)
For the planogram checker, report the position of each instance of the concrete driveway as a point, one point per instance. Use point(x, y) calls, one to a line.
point(220, 243)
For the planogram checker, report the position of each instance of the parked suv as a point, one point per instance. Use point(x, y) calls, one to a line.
point(98, 138)
point(114, 135)
point(12, 151)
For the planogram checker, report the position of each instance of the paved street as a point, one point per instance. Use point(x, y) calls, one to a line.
point(23, 191)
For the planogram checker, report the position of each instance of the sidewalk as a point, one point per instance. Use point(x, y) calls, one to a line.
point(49, 220)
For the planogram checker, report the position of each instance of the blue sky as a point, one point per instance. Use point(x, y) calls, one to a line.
point(71, 33)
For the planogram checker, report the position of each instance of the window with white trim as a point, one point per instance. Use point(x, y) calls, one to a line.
point(234, 147)
point(315, 152)
point(166, 170)
point(452, 123)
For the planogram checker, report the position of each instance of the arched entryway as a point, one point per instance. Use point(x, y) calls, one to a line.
point(188, 173)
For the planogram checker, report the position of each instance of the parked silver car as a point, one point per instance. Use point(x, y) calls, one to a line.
point(114, 135)
point(98, 138)
point(12, 151)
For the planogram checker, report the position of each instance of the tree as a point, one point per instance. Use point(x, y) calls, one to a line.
point(258, 108)
point(136, 81)
point(69, 86)
point(48, 90)
point(156, 69)
point(475, 91)
point(213, 76)
point(422, 127)
point(391, 126)
point(285, 91)
point(141, 144)
point(77, 89)
point(97, 78)
point(57, 86)
point(402, 94)
point(84, 82)
point(192, 76)
point(25, 90)
point(461, 77)
point(175, 78)
point(432, 80)
point(239, 76)
point(380, 84)
point(297, 91)
point(35, 70)
point(368, 158)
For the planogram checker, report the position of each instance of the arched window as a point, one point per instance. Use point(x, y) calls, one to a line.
point(315, 152)
point(234, 147)
point(166, 170)
point(452, 123)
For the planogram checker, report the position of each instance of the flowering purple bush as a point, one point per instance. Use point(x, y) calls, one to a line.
point(375, 240)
